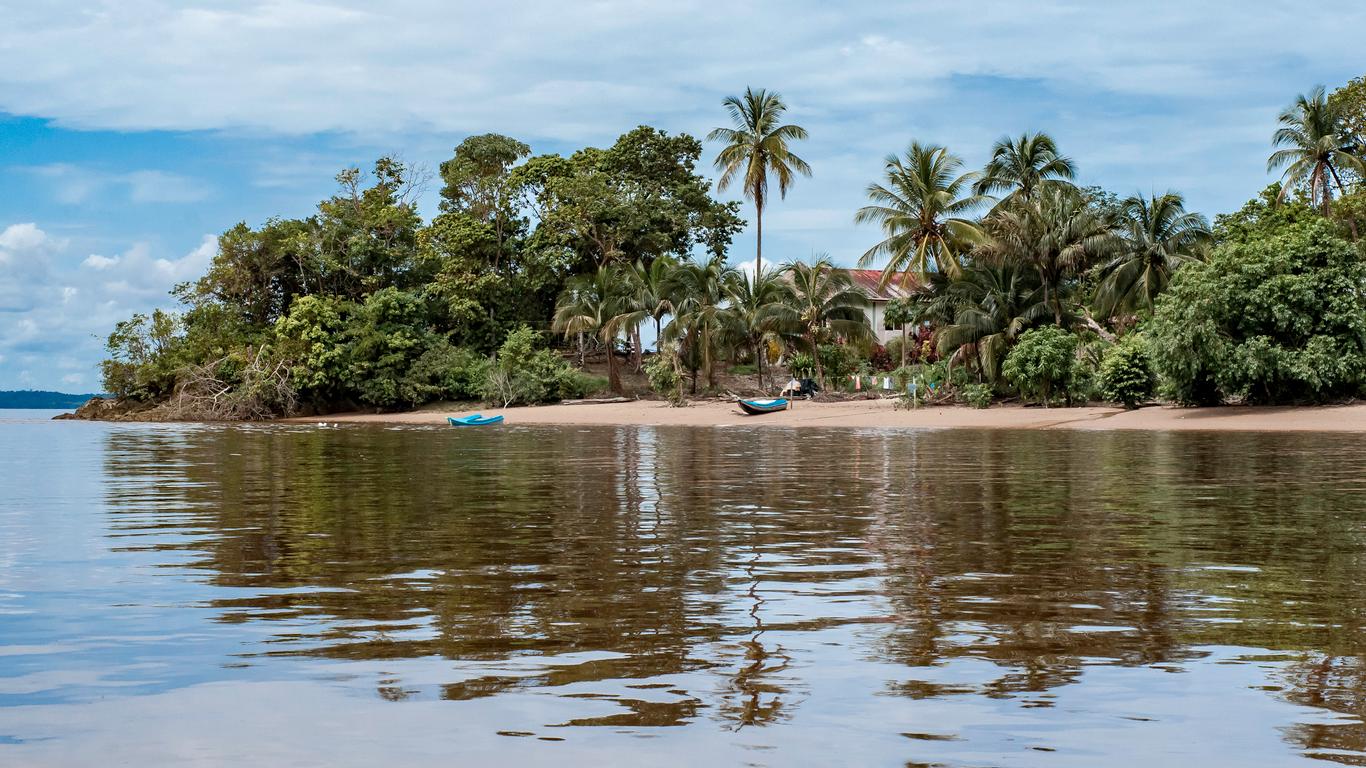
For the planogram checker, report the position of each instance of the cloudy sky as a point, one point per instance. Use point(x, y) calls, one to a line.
point(133, 131)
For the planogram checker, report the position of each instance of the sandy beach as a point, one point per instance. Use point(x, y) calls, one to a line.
point(881, 414)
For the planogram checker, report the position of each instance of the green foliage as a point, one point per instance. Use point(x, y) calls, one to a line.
point(1042, 364)
point(839, 361)
point(525, 373)
point(142, 358)
point(801, 364)
point(666, 377)
point(977, 395)
point(1278, 314)
point(311, 337)
point(1126, 373)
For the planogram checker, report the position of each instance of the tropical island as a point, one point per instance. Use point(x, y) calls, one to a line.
point(608, 272)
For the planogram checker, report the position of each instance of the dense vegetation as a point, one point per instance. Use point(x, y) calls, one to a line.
point(1021, 284)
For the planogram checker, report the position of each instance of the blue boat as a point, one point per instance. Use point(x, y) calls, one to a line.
point(474, 420)
point(756, 407)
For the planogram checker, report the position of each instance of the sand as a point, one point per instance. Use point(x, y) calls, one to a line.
point(881, 414)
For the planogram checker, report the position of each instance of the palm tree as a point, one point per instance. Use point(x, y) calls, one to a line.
point(825, 301)
point(597, 303)
point(698, 299)
point(901, 313)
point(1058, 233)
point(922, 209)
point(649, 294)
point(992, 305)
point(1159, 236)
point(1023, 166)
point(755, 148)
point(755, 311)
point(1316, 144)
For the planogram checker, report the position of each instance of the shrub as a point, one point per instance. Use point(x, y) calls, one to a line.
point(1126, 373)
point(977, 395)
point(880, 359)
point(446, 372)
point(665, 376)
point(1042, 363)
point(839, 361)
point(1278, 314)
point(525, 373)
point(802, 365)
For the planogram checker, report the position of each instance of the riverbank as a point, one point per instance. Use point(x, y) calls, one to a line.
point(881, 414)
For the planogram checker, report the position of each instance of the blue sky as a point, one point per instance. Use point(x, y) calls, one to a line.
point(133, 131)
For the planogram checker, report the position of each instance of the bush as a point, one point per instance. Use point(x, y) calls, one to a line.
point(802, 365)
point(446, 372)
point(1042, 364)
point(1278, 314)
point(977, 395)
point(1126, 373)
point(665, 376)
point(525, 373)
point(839, 361)
point(879, 359)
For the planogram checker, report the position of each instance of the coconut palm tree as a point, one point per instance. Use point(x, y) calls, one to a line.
point(698, 293)
point(922, 207)
point(1024, 165)
point(649, 289)
point(824, 301)
point(597, 303)
point(1316, 144)
point(992, 305)
point(756, 148)
point(755, 311)
point(1159, 236)
point(1058, 233)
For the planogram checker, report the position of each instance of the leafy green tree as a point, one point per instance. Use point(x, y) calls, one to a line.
point(923, 209)
point(756, 148)
point(140, 363)
point(1159, 236)
point(312, 337)
point(1315, 144)
point(1277, 314)
point(1349, 102)
point(825, 304)
point(1023, 165)
point(598, 304)
point(524, 372)
point(479, 181)
point(1042, 362)
point(367, 236)
point(1058, 234)
point(901, 313)
point(385, 336)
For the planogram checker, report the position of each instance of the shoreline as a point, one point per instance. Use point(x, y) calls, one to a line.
point(880, 414)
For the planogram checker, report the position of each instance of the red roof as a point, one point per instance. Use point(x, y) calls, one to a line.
point(869, 281)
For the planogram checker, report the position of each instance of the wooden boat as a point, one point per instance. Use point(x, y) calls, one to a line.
point(474, 420)
point(756, 407)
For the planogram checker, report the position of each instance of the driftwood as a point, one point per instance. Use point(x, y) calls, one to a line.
point(596, 401)
point(263, 391)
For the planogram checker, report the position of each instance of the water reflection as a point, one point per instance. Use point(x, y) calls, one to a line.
point(950, 597)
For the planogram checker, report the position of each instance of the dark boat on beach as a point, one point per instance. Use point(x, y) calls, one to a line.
point(756, 407)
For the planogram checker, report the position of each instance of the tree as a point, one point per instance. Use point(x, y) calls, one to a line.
point(922, 209)
point(597, 303)
point(479, 181)
point(1058, 233)
point(699, 298)
point(754, 311)
point(1043, 360)
point(990, 306)
point(825, 302)
point(1316, 144)
point(1277, 314)
point(1349, 102)
point(1159, 236)
point(1024, 165)
point(756, 148)
point(901, 313)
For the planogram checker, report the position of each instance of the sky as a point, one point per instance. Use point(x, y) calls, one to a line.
point(132, 132)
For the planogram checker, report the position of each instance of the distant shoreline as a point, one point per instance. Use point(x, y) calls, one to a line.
point(873, 414)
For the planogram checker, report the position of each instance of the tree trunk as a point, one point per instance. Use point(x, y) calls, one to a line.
point(904, 341)
point(613, 376)
point(639, 348)
point(816, 357)
point(759, 239)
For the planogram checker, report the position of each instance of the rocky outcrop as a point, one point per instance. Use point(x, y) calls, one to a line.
point(114, 409)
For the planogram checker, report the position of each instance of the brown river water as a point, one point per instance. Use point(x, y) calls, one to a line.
point(371, 596)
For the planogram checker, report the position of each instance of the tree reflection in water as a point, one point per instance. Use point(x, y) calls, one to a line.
point(610, 558)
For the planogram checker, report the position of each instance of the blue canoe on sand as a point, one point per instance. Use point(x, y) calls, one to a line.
point(756, 407)
point(474, 420)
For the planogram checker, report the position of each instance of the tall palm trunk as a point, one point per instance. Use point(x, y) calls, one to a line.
point(759, 232)
point(613, 376)
point(638, 354)
point(816, 357)
point(904, 341)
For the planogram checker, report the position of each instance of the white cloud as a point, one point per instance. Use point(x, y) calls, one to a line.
point(53, 318)
point(75, 184)
point(96, 261)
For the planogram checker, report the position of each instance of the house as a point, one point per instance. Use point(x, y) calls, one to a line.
point(869, 282)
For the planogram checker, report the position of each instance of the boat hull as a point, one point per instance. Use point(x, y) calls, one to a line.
point(477, 420)
point(758, 407)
